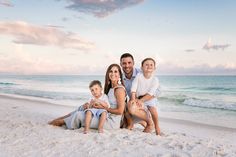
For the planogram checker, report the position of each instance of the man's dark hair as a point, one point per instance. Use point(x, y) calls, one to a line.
point(126, 55)
point(95, 82)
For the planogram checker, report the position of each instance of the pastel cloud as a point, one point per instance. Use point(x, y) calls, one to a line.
point(26, 65)
point(202, 69)
point(100, 8)
point(42, 66)
point(6, 3)
point(209, 46)
point(21, 63)
point(215, 47)
point(25, 33)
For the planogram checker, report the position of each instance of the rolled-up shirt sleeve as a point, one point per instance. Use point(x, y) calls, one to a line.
point(135, 84)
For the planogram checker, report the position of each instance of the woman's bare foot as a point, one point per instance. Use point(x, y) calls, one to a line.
point(57, 122)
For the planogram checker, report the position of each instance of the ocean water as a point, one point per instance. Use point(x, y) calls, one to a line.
point(204, 99)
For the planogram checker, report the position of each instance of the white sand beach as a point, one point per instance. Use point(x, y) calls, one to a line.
point(24, 132)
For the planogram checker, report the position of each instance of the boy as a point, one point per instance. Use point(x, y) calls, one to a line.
point(145, 83)
point(97, 98)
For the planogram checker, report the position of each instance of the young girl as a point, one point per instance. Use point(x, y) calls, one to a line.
point(142, 93)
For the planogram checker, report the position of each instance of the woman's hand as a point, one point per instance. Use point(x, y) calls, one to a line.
point(86, 106)
point(98, 106)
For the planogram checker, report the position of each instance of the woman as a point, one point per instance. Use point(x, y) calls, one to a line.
point(116, 93)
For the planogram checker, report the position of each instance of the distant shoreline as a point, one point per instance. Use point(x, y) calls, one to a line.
point(104, 74)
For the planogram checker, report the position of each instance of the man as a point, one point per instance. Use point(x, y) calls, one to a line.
point(129, 72)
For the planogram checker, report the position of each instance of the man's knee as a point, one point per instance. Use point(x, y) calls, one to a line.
point(132, 108)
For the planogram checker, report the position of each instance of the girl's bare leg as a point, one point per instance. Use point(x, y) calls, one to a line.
point(88, 117)
point(154, 114)
point(101, 122)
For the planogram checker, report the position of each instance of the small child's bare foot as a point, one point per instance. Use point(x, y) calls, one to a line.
point(86, 131)
point(100, 131)
point(148, 129)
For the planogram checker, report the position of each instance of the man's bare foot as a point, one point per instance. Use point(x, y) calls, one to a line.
point(158, 131)
point(143, 123)
point(130, 127)
point(148, 129)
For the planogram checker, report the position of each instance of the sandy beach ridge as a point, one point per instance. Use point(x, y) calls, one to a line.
point(24, 132)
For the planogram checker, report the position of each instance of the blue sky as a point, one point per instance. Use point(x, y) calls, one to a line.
point(85, 36)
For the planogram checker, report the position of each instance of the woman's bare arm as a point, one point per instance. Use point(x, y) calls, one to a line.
point(120, 99)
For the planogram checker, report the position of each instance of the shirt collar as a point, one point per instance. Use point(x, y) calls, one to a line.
point(135, 72)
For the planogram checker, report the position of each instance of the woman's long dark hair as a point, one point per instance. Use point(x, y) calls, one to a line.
point(107, 80)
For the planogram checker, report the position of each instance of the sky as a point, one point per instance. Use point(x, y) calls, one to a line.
point(83, 37)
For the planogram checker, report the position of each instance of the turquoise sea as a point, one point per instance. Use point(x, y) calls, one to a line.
point(204, 99)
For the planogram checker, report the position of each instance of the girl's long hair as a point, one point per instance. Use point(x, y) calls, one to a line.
point(107, 79)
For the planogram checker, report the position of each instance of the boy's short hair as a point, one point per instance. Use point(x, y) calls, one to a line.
point(126, 55)
point(95, 82)
point(148, 59)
